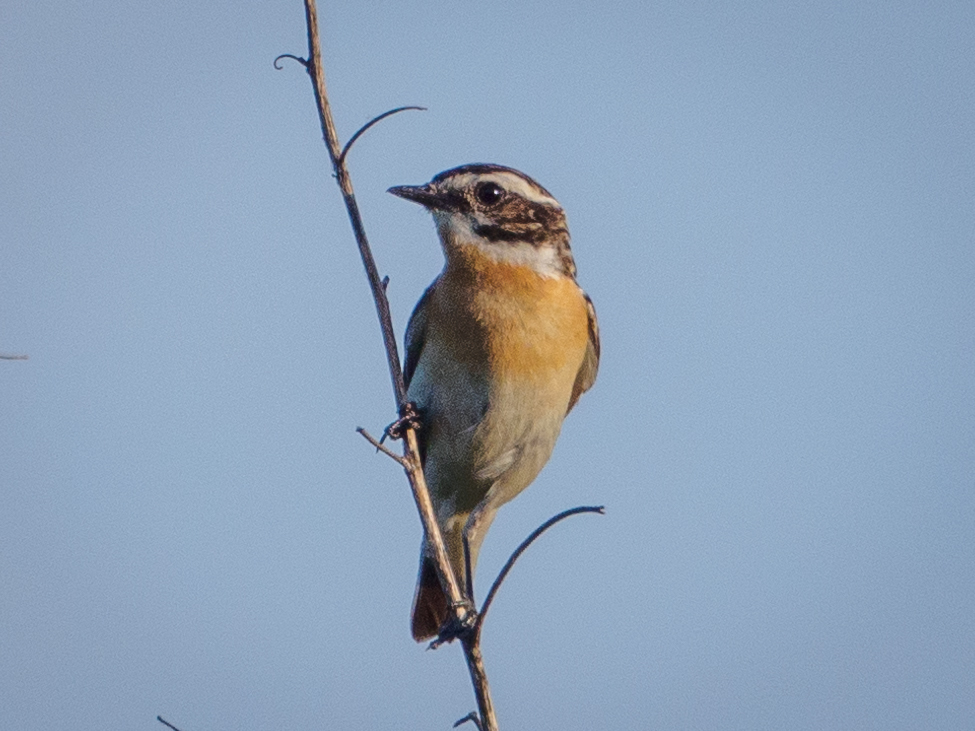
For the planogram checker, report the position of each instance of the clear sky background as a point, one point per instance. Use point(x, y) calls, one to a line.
point(773, 208)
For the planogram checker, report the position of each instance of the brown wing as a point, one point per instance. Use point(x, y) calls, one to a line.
point(416, 332)
point(590, 362)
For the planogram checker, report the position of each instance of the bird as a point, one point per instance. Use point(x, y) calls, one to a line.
point(498, 351)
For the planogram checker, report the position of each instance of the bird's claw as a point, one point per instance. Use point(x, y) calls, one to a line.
point(456, 629)
point(409, 418)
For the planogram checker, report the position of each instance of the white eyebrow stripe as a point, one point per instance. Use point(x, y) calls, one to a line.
point(509, 181)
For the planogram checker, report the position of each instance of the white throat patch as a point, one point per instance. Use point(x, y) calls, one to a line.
point(457, 229)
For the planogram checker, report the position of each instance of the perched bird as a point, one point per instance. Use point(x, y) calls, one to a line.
point(498, 350)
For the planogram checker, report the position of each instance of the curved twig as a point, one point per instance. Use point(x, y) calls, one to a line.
point(299, 59)
point(370, 123)
point(521, 549)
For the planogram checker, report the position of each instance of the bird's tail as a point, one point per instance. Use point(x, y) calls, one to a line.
point(430, 603)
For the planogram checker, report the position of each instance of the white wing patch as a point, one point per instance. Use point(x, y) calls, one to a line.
point(499, 465)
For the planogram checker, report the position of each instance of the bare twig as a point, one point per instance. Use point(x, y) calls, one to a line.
point(10, 356)
point(520, 550)
point(487, 720)
point(167, 723)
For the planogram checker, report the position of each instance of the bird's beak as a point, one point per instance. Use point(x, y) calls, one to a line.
point(425, 195)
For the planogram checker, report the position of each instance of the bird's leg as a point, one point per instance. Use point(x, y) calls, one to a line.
point(473, 527)
point(468, 567)
point(409, 418)
point(454, 628)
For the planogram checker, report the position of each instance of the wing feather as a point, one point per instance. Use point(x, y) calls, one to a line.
point(416, 332)
point(590, 362)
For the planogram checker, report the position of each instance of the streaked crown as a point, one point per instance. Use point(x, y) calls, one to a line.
point(502, 211)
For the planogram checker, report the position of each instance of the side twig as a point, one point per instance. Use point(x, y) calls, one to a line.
point(362, 130)
point(379, 446)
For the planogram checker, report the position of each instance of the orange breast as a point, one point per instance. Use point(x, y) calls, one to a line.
point(510, 321)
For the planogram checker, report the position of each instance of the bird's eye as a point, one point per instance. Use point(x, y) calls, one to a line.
point(489, 193)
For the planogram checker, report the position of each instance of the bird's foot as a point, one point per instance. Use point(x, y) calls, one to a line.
point(409, 418)
point(454, 628)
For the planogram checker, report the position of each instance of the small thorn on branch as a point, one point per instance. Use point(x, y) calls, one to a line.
point(385, 282)
point(473, 718)
point(379, 446)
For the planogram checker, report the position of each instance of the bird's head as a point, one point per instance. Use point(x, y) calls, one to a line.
point(502, 212)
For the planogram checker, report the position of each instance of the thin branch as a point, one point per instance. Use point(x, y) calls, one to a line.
point(411, 452)
point(471, 642)
point(521, 549)
point(167, 723)
point(11, 356)
point(370, 123)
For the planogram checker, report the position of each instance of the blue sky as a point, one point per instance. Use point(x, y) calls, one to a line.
point(771, 206)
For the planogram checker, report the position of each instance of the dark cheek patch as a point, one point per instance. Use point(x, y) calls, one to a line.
point(518, 220)
point(533, 234)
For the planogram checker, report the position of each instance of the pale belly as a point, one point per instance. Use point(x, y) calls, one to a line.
point(487, 438)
